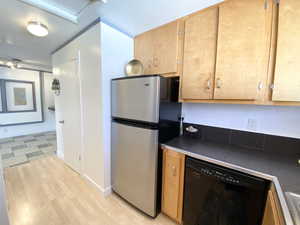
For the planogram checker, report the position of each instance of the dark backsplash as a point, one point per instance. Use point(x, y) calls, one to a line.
point(244, 139)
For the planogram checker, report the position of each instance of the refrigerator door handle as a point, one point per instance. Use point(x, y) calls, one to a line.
point(140, 124)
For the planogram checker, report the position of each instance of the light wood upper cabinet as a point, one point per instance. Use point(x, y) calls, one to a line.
point(159, 49)
point(173, 182)
point(230, 53)
point(166, 48)
point(242, 49)
point(200, 46)
point(287, 70)
point(144, 51)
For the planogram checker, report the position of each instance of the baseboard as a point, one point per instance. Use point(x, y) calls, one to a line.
point(60, 155)
point(107, 191)
point(104, 191)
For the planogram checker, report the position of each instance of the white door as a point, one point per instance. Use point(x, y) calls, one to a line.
point(70, 113)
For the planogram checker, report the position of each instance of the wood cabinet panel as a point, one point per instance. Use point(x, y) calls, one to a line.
point(173, 182)
point(242, 49)
point(144, 51)
point(158, 49)
point(287, 78)
point(272, 215)
point(200, 46)
point(165, 59)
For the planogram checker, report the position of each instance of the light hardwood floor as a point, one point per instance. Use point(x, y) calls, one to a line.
point(47, 192)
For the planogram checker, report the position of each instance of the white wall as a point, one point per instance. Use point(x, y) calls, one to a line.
point(117, 51)
point(114, 49)
point(49, 123)
point(103, 54)
point(274, 120)
point(49, 116)
point(67, 53)
point(92, 105)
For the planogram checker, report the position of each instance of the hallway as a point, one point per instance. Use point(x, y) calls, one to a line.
point(22, 149)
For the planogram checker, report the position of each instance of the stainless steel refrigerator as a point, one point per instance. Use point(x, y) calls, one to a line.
point(145, 112)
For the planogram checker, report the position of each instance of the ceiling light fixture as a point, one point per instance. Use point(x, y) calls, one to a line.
point(38, 29)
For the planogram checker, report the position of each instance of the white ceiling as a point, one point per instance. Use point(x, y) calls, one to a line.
point(71, 6)
point(137, 16)
point(130, 16)
point(16, 42)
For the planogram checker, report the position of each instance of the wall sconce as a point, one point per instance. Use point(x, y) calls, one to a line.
point(56, 87)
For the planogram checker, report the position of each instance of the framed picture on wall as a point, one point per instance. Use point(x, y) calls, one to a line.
point(20, 96)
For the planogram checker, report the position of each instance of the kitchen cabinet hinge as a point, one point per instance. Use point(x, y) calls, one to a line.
point(79, 158)
point(179, 62)
point(272, 86)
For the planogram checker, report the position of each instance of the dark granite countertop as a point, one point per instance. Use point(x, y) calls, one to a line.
point(264, 164)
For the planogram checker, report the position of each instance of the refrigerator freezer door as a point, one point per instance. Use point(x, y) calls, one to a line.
point(136, 98)
point(134, 165)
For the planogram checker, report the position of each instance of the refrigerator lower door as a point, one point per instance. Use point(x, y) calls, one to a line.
point(136, 98)
point(134, 165)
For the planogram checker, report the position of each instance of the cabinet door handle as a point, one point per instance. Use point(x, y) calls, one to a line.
point(174, 171)
point(260, 86)
point(218, 83)
point(208, 84)
point(62, 122)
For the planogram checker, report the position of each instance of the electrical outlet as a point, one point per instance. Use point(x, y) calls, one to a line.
point(252, 125)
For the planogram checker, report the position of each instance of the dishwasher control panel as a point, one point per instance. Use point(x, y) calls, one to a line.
point(221, 176)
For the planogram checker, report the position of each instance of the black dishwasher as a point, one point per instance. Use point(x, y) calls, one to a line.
point(215, 195)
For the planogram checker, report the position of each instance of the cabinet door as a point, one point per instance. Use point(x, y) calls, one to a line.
point(287, 77)
point(173, 178)
point(166, 41)
point(158, 49)
point(242, 49)
point(200, 46)
point(271, 216)
point(144, 51)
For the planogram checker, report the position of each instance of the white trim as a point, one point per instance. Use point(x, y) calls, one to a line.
point(52, 9)
point(60, 155)
point(81, 112)
point(107, 191)
point(104, 191)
